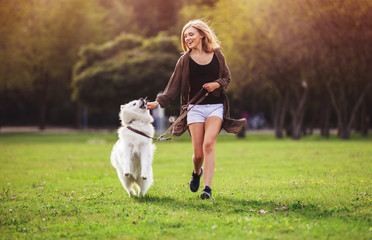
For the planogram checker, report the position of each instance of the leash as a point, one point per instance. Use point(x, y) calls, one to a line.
point(182, 116)
point(140, 133)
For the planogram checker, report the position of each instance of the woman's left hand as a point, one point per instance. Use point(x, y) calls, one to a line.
point(210, 87)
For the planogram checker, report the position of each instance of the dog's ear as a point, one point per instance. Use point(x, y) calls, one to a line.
point(124, 118)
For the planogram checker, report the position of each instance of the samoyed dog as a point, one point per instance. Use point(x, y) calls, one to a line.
point(133, 153)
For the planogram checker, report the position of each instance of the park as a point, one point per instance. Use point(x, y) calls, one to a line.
point(300, 77)
point(57, 185)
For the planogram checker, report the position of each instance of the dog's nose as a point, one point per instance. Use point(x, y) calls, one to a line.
point(143, 103)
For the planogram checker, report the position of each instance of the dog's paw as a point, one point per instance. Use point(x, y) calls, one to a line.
point(132, 193)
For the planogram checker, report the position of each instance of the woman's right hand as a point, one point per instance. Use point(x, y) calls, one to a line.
point(152, 105)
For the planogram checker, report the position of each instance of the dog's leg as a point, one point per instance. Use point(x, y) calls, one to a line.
point(144, 185)
point(126, 158)
point(146, 161)
point(146, 169)
point(128, 185)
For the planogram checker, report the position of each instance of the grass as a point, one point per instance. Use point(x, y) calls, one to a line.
point(63, 186)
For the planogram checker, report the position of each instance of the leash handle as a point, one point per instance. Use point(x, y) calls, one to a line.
point(197, 95)
point(171, 128)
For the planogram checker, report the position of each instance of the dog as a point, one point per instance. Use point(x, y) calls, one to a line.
point(132, 154)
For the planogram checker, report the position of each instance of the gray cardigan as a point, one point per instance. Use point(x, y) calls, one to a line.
point(179, 81)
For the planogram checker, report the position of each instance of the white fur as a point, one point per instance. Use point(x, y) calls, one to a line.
point(132, 154)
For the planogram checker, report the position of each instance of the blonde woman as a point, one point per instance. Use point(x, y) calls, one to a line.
point(201, 66)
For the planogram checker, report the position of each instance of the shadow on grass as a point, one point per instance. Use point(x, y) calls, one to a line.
point(230, 205)
point(220, 204)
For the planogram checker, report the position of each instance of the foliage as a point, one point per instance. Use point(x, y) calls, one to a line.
point(152, 17)
point(345, 54)
point(63, 186)
point(128, 67)
point(281, 52)
point(40, 45)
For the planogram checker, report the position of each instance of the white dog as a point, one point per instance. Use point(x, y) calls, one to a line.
point(132, 154)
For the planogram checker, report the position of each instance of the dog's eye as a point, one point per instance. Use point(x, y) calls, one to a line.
point(134, 104)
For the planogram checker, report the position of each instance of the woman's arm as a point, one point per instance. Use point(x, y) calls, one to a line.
point(225, 80)
point(173, 87)
point(152, 105)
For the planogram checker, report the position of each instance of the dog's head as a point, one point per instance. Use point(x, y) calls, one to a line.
point(135, 111)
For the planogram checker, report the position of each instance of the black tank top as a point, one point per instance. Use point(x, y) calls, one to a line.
point(201, 74)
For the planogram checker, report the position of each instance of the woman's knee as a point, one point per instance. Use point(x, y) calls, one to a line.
point(208, 146)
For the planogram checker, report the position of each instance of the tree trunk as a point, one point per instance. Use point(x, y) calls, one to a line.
point(42, 114)
point(298, 114)
point(364, 121)
point(337, 110)
point(325, 120)
point(3, 98)
point(279, 114)
point(345, 130)
point(78, 117)
point(41, 86)
point(275, 113)
point(356, 107)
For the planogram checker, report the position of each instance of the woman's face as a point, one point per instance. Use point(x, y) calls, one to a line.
point(193, 38)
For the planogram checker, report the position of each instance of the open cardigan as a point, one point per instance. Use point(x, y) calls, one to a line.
point(179, 81)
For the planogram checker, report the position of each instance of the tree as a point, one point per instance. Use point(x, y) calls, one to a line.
point(127, 67)
point(42, 40)
point(152, 17)
point(345, 30)
point(274, 54)
point(286, 51)
point(10, 16)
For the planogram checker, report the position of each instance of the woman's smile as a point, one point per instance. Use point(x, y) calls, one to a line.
point(192, 37)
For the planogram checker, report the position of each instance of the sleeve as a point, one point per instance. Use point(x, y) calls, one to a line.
point(173, 87)
point(225, 80)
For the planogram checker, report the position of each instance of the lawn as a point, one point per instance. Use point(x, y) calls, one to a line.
point(63, 186)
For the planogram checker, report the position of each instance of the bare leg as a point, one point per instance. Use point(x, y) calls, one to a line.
point(197, 137)
point(212, 129)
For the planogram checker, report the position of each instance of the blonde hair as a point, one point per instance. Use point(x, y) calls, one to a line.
point(209, 42)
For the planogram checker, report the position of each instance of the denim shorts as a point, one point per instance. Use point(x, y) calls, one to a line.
point(200, 113)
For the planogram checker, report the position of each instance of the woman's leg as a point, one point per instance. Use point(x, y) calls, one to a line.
point(211, 130)
point(197, 137)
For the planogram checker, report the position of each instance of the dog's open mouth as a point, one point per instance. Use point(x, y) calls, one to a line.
point(143, 103)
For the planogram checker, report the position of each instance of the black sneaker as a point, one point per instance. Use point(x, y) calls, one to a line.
point(207, 193)
point(195, 181)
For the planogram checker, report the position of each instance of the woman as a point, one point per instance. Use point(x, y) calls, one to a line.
point(201, 66)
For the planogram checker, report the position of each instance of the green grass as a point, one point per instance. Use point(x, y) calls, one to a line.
point(63, 186)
